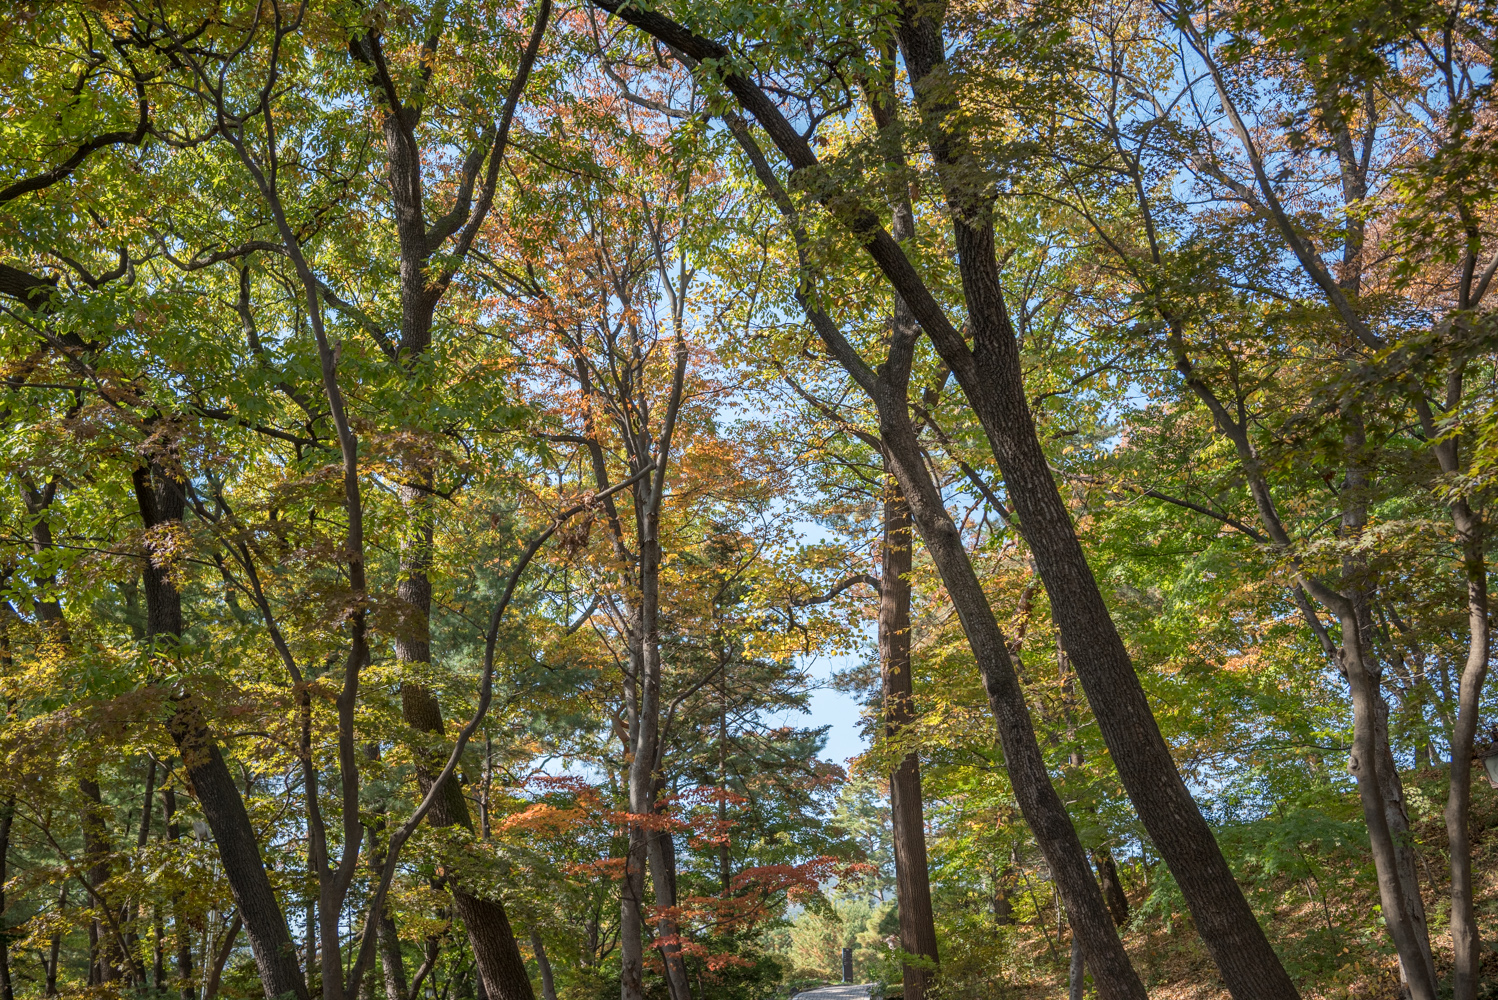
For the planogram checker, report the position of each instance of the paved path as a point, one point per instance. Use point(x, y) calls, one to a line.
point(858, 992)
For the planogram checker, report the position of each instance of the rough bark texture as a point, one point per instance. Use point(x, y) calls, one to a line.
point(1038, 801)
point(1113, 893)
point(501, 967)
point(907, 815)
point(162, 502)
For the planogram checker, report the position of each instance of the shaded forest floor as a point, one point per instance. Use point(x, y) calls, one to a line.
point(1323, 918)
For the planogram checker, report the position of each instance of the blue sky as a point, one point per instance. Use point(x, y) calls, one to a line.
point(832, 708)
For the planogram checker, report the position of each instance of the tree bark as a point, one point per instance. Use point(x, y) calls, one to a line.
point(907, 819)
point(501, 967)
point(543, 964)
point(162, 502)
point(1107, 874)
point(1038, 801)
point(1466, 942)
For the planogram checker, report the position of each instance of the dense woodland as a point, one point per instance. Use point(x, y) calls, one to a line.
point(444, 440)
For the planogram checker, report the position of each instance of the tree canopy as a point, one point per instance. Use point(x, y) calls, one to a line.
point(445, 443)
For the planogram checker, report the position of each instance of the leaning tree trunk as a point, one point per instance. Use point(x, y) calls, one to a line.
point(162, 503)
point(501, 967)
point(1038, 801)
point(993, 381)
point(1041, 806)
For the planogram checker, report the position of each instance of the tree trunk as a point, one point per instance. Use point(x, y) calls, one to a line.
point(543, 964)
point(1113, 893)
point(1038, 801)
point(501, 967)
point(161, 503)
point(1076, 973)
point(1466, 942)
point(907, 819)
point(668, 931)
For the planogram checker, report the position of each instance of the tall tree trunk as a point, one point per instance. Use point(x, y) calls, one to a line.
point(1466, 942)
point(543, 964)
point(179, 919)
point(888, 388)
point(392, 964)
point(1175, 825)
point(907, 819)
point(162, 502)
point(1038, 801)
